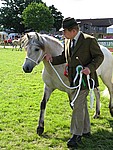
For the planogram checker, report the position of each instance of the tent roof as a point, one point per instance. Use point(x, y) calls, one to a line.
point(99, 22)
point(2, 32)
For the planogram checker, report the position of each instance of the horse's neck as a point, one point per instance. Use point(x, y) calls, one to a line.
point(54, 50)
point(53, 47)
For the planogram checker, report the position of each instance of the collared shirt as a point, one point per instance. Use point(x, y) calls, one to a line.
point(76, 38)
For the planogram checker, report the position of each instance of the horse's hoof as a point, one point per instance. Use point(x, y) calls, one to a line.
point(97, 115)
point(111, 111)
point(40, 130)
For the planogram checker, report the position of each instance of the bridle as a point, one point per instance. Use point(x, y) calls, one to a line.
point(39, 59)
point(75, 87)
point(36, 62)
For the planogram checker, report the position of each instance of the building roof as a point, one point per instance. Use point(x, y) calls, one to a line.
point(99, 22)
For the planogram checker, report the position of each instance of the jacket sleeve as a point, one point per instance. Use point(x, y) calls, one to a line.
point(57, 60)
point(97, 55)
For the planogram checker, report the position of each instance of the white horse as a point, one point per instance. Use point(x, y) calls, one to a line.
point(15, 43)
point(37, 46)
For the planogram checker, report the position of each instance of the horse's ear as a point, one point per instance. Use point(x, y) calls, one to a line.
point(28, 36)
point(37, 35)
point(40, 40)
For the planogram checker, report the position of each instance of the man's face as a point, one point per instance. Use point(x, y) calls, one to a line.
point(70, 34)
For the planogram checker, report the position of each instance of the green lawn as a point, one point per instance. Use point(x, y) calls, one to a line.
point(20, 96)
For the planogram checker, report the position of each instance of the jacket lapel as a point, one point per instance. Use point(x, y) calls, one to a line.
point(79, 43)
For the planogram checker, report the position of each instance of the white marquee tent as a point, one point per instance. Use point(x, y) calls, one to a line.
point(110, 29)
point(3, 35)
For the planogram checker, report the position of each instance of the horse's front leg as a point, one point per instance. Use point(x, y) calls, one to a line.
point(20, 48)
point(97, 95)
point(12, 46)
point(47, 93)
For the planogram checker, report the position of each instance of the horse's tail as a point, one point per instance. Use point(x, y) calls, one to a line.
point(111, 63)
point(112, 70)
point(105, 93)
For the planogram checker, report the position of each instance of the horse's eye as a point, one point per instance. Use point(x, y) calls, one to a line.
point(37, 49)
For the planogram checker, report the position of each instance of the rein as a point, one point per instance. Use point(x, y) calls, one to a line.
point(79, 85)
point(79, 72)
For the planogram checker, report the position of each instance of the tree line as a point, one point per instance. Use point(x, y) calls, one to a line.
point(21, 15)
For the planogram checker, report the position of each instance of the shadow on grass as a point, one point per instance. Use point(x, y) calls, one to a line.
point(100, 140)
point(111, 123)
point(63, 139)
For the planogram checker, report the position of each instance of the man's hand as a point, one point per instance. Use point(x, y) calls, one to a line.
point(48, 57)
point(86, 71)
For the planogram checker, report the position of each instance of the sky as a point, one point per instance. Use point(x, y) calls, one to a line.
point(83, 9)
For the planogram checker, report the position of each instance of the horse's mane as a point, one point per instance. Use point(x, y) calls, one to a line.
point(51, 38)
point(42, 40)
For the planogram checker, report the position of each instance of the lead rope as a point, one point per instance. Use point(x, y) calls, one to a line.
point(91, 91)
point(71, 88)
point(79, 85)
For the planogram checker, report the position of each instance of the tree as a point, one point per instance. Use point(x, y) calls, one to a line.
point(38, 17)
point(11, 13)
point(57, 17)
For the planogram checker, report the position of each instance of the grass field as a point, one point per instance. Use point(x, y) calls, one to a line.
point(20, 96)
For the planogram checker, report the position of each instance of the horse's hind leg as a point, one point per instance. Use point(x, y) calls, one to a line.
point(111, 99)
point(107, 80)
point(47, 93)
point(97, 95)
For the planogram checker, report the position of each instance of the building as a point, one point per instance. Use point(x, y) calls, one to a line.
point(98, 27)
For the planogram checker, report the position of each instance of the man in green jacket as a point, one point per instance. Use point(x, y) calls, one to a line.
point(79, 49)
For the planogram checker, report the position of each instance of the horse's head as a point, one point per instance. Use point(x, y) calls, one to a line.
point(34, 46)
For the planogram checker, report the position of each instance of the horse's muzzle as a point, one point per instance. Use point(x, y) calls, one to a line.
point(27, 68)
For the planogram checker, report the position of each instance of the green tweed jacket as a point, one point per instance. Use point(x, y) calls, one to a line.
point(86, 53)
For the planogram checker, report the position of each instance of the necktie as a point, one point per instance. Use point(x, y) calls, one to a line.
point(73, 43)
point(72, 46)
